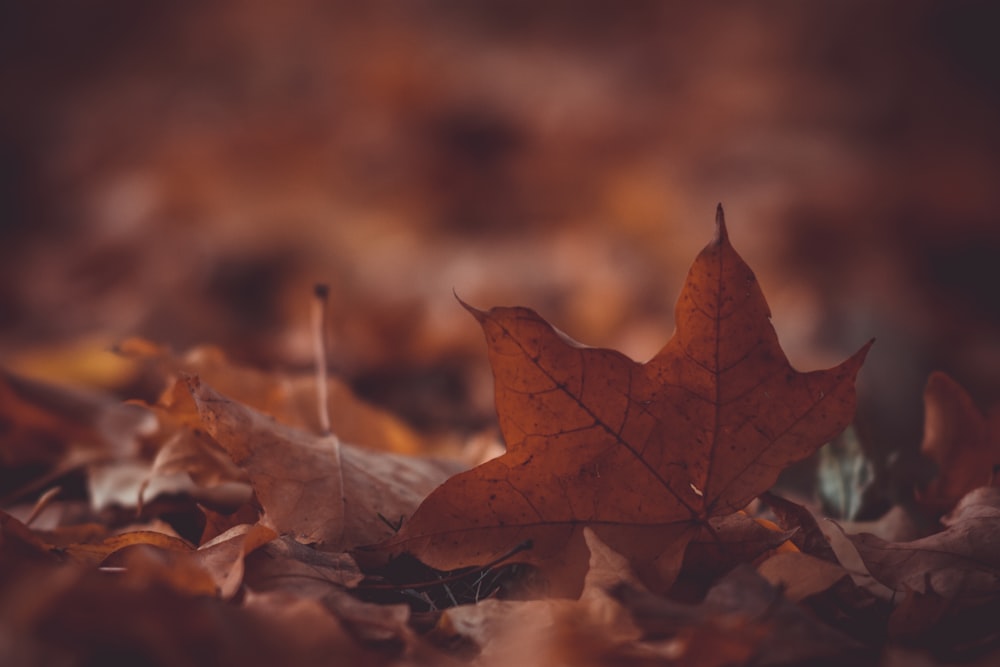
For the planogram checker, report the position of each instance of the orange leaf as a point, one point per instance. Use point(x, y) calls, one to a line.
point(94, 554)
point(644, 454)
point(963, 443)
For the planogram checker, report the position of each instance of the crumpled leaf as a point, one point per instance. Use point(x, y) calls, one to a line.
point(742, 617)
point(721, 545)
point(317, 488)
point(57, 429)
point(288, 566)
point(960, 440)
point(290, 399)
point(801, 575)
point(146, 615)
point(807, 537)
point(642, 453)
point(149, 564)
point(594, 630)
point(224, 557)
point(962, 560)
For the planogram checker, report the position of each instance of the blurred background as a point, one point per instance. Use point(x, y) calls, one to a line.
point(186, 171)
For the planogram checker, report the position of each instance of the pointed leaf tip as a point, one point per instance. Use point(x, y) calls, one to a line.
point(721, 235)
point(475, 312)
point(863, 352)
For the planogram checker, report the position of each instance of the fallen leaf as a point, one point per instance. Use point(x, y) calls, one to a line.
point(721, 545)
point(216, 523)
point(128, 483)
point(800, 575)
point(376, 625)
point(962, 560)
point(955, 631)
point(286, 565)
point(57, 429)
point(95, 554)
point(143, 565)
point(290, 399)
point(193, 453)
point(224, 556)
point(962, 441)
point(18, 542)
point(742, 617)
point(594, 630)
point(79, 616)
point(807, 537)
point(317, 488)
point(644, 454)
point(308, 634)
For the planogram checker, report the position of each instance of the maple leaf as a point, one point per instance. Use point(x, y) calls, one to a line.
point(644, 454)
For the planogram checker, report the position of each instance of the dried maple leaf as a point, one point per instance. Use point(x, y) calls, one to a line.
point(644, 454)
point(960, 440)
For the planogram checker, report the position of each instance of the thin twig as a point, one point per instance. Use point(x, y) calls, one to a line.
point(321, 293)
point(43, 501)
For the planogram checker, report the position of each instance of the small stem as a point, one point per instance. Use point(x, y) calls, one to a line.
point(321, 293)
point(43, 501)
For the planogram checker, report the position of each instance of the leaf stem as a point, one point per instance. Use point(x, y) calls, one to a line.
point(321, 292)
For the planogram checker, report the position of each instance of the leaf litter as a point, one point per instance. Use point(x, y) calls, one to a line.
point(620, 527)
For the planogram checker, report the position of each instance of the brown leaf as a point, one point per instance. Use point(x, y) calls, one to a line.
point(963, 443)
point(721, 545)
point(57, 429)
point(216, 523)
point(223, 557)
point(195, 454)
point(147, 616)
point(742, 616)
point(317, 489)
point(148, 564)
point(18, 542)
point(285, 565)
point(962, 560)
point(594, 630)
point(290, 400)
point(801, 575)
point(642, 453)
point(808, 537)
point(95, 554)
